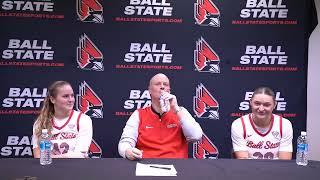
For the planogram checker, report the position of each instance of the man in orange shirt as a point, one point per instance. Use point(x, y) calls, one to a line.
point(162, 130)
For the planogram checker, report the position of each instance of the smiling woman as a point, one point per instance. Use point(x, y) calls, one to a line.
point(70, 130)
point(262, 134)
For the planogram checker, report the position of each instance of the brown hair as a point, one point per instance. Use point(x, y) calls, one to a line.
point(265, 90)
point(43, 121)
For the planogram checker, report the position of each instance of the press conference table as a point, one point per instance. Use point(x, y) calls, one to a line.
point(190, 169)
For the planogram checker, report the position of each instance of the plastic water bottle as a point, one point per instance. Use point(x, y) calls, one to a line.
point(45, 148)
point(164, 104)
point(302, 149)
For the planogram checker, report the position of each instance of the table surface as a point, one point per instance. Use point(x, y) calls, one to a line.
point(188, 169)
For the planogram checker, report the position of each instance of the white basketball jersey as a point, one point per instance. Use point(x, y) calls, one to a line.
point(262, 146)
point(64, 138)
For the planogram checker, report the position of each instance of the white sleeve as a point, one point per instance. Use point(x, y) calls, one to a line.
point(287, 135)
point(34, 139)
point(191, 129)
point(130, 134)
point(85, 134)
point(238, 141)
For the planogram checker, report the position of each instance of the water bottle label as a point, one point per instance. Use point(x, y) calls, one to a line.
point(302, 147)
point(42, 145)
point(45, 145)
point(48, 145)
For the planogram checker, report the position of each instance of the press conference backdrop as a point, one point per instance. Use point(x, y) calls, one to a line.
point(215, 53)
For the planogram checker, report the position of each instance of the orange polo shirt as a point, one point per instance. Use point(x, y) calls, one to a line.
point(161, 136)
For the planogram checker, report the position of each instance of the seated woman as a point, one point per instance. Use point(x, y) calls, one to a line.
point(70, 130)
point(262, 134)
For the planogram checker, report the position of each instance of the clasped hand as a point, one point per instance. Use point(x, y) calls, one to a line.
point(133, 153)
point(171, 98)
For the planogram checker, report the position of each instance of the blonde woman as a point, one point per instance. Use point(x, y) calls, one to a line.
point(70, 130)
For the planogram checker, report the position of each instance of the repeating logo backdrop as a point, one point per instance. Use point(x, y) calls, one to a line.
point(215, 53)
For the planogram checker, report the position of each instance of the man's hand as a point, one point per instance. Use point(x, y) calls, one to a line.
point(133, 153)
point(172, 99)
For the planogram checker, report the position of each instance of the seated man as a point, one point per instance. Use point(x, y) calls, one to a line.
point(262, 134)
point(159, 131)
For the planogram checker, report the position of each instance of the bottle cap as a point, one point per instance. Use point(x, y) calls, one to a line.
point(303, 133)
point(44, 130)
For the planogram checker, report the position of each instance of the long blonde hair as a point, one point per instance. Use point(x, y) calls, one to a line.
point(43, 121)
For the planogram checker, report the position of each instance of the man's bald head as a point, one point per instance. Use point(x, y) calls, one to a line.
point(158, 83)
point(157, 77)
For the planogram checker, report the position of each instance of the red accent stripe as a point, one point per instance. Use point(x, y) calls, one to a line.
point(78, 121)
point(281, 126)
point(255, 129)
point(244, 128)
point(70, 115)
